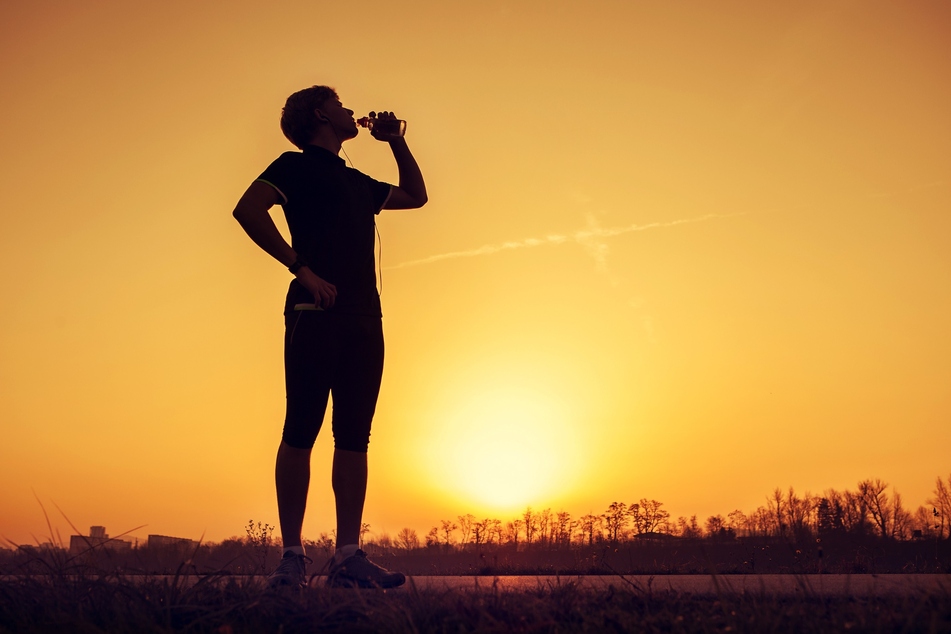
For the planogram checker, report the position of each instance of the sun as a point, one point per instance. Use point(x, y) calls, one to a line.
point(505, 449)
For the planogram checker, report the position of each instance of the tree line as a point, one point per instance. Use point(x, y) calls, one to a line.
point(865, 529)
point(868, 511)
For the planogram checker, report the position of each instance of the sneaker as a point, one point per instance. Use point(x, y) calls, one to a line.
point(292, 571)
point(359, 572)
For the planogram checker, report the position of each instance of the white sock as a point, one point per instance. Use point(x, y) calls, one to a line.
point(297, 550)
point(345, 551)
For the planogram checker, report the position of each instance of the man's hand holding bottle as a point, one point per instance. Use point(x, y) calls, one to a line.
point(383, 126)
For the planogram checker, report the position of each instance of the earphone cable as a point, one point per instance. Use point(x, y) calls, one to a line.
point(376, 227)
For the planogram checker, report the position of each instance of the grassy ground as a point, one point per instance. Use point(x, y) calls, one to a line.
point(230, 605)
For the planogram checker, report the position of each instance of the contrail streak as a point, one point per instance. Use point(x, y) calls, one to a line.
point(582, 237)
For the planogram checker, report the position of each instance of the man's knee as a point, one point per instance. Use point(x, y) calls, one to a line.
point(352, 435)
point(297, 437)
point(356, 445)
point(351, 430)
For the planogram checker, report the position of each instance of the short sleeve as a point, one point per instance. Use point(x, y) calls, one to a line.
point(380, 193)
point(280, 175)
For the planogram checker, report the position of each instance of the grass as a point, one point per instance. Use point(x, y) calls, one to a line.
point(53, 591)
point(223, 604)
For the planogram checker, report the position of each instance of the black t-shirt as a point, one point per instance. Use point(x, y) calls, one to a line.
point(329, 209)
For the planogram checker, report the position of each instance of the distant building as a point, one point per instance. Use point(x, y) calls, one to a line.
point(97, 539)
point(45, 546)
point(164, 541)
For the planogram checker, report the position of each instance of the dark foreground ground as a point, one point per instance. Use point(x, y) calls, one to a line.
point(227, 605)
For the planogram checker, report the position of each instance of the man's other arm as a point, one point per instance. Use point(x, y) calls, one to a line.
point(253, 214)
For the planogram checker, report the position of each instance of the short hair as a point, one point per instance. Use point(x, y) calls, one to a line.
point(298, 121)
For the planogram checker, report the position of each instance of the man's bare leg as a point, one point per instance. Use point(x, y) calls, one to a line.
point(292, 476)
point(350, 490)
point(351, 569)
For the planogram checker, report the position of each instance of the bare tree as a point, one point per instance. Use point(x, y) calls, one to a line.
point(384, 543)
point(432, 537)
point(735, 521)
point(615, 520)
point(514, 528)
point(681, 526)
point(562, 530)
point(447, 528)
point(844, 512)
point(590, 525)
point(544, 526)
point(688, 528)
point(876, 501)
point(941, 507)
point(760, 522)
point(465, 527)
point(407, 539)
point(901, 518)
point(648, 516)
point(717, 529)
point(799, 512)
point(480, 532)
point(925, 523)
point(665, 527)
point(531, 525)
point(778, 509)
point(634, 515)
point(855, 516)
point(498, 530)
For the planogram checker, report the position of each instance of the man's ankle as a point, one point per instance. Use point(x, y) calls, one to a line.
point(345, 551)
point(294, 550)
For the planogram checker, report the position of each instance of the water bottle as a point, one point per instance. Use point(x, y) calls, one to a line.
point(386, 127)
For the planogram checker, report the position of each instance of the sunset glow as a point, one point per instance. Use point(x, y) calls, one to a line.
point(504, 451)
point(683, 251)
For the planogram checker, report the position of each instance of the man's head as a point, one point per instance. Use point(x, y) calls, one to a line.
point(308, 109)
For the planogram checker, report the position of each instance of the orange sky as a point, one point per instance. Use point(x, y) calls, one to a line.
point(685, 251)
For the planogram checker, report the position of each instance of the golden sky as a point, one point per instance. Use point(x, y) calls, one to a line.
point(686, 251)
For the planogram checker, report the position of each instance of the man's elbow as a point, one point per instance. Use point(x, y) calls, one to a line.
point(418, 197)
point(242, 213)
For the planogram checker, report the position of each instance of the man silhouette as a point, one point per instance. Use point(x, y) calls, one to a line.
point(333, 342)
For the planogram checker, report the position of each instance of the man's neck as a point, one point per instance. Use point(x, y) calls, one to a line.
point(325, 138)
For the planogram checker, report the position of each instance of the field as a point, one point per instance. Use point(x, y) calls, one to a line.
point(226, 604)
point(673, 585)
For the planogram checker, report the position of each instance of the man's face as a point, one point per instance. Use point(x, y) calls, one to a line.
point(339, 117)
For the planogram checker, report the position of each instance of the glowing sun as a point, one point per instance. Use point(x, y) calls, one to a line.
point(505, 450)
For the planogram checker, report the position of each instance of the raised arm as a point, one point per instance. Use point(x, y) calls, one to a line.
point(411, 192)
point(253, 214)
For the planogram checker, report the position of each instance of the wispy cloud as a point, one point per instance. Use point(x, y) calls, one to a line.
point(590, 238)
